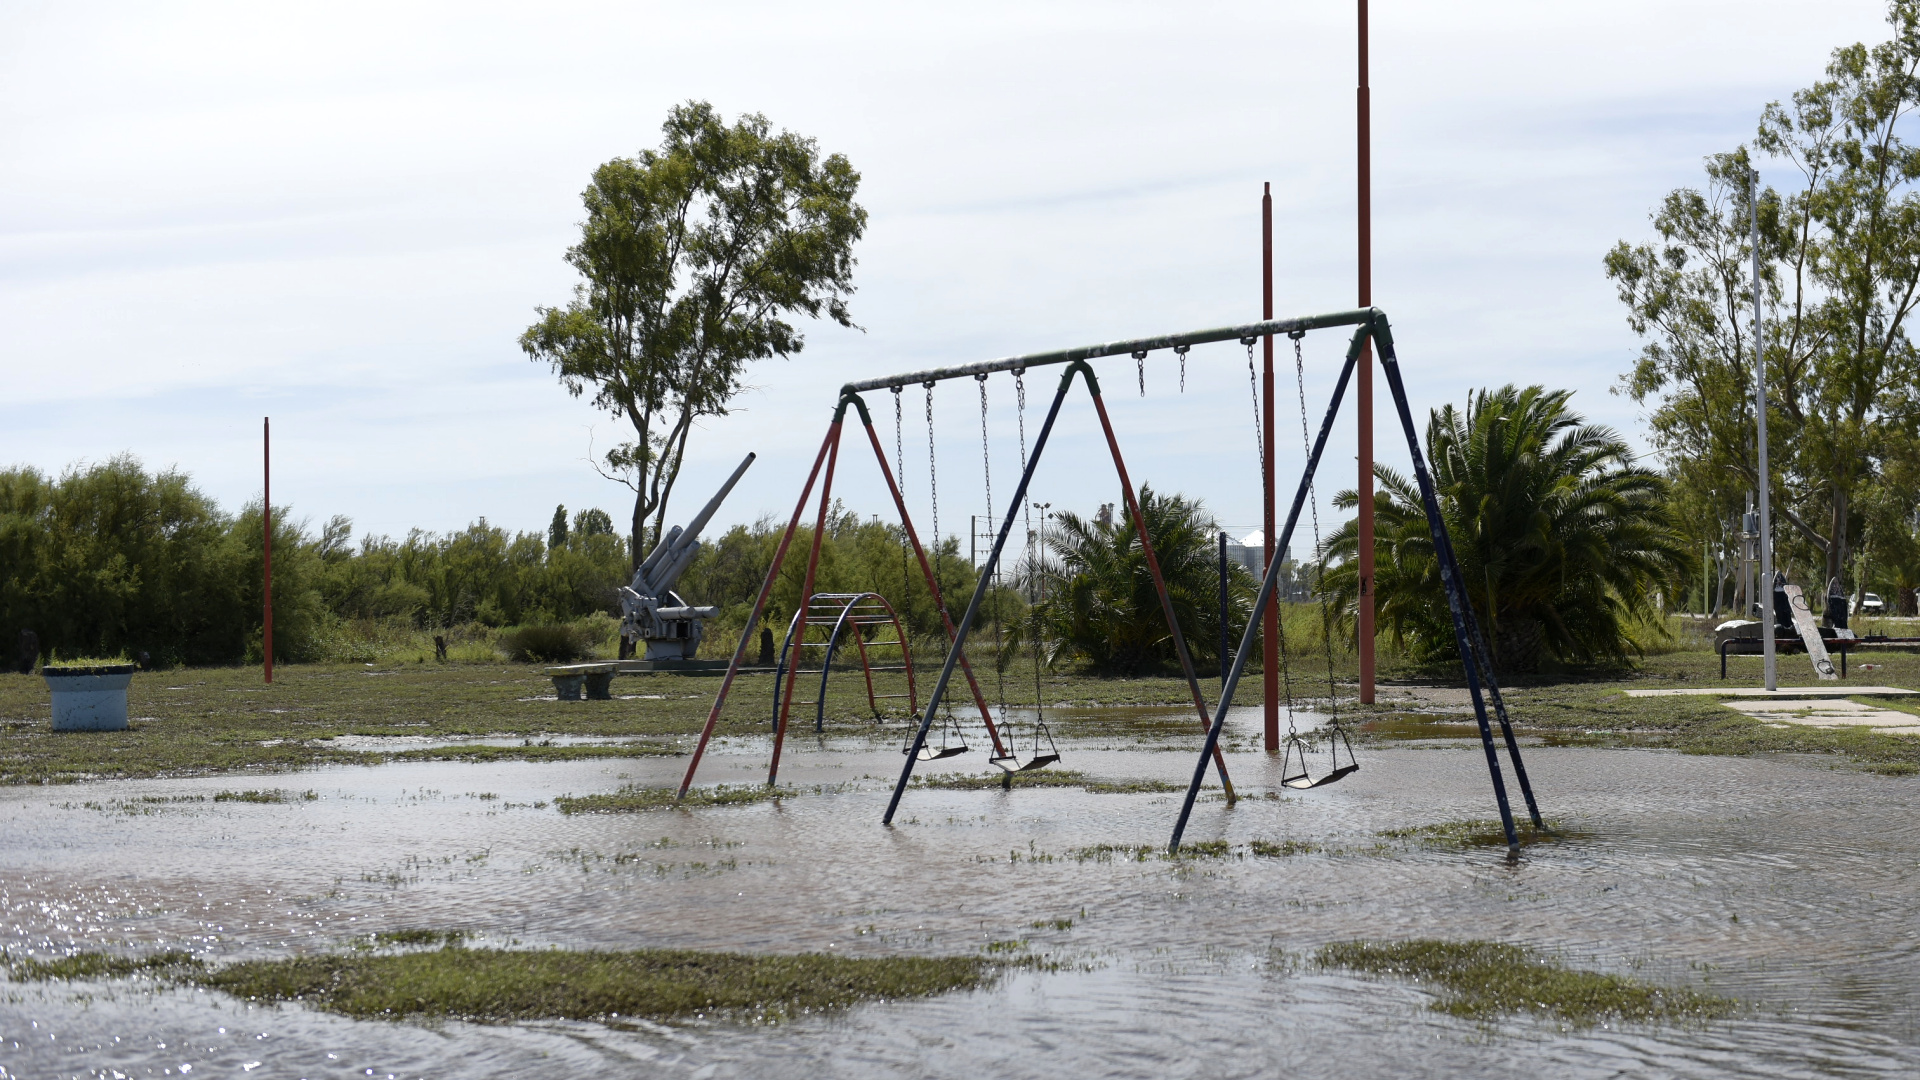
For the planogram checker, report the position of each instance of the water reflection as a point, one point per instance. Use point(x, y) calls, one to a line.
point(1784, 882)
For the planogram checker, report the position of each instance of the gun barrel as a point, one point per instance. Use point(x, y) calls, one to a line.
point(643, 575)
point(706, 512)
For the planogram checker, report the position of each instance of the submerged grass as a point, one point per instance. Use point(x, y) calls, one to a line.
point(1194, 849)
point(1480, 980)
point(269, 795)
point(1053, 778)
point(634, 798)
point(498, 985)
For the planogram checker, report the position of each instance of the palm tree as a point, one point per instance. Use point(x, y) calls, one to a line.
point(1098, 603)
point(1563, 541)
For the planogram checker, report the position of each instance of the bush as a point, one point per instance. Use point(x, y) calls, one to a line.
point(552, 643)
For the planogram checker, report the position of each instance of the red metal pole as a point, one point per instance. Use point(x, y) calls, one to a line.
point(1270, 627)
point(266, 513)
point(1364, 391)
point(759, 605)
point(933, 587)
point(1160, 588)
point(806, 600)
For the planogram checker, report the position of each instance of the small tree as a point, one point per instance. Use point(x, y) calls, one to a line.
point(693, 258)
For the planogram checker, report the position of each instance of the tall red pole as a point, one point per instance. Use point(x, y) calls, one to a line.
point(266, 515)
point(1270, 629)
point(1364, 391)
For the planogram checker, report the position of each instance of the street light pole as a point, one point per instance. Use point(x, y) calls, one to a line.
point(1760, 418)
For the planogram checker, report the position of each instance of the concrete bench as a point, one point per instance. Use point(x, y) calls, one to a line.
point(596, 679)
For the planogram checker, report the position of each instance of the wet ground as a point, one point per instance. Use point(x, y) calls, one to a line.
point(1786, 883)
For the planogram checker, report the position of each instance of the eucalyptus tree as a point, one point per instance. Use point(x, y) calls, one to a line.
point(693, 260)
point(1839, 281)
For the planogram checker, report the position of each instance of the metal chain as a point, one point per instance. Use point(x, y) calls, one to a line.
point(933, 476)
point(1140, 362)
point(1306, 441)
point(1181, 351)
point(1259, 437)
point(1033, 555)
point(900, 467)
point(986, 471)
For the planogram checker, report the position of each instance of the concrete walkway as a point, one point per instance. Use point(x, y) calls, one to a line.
point(1779, 712)
point(1785, 691)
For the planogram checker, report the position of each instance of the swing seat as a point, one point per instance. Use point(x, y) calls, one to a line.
point(1303, 781)
point(934, 753)
point(1012, 763)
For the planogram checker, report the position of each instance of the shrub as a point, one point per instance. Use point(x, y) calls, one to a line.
point(550, 643)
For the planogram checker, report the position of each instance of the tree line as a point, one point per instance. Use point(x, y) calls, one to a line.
point(1838, 285)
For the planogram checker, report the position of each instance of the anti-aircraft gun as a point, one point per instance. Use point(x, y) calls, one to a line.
point(650, 609)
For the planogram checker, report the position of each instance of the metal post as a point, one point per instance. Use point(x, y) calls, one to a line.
point(1159, 582)
point(1270, 651)
point(1225, 644)
point(1465, 630)
point(266, 515)
point(980, 590)
point(1760, 419)
point(1363, 393)
point(759, 605)
point(806, 599)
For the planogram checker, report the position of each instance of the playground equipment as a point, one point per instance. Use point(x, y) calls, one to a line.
point(1371, 326)
point(650, 609)
point(841, 613)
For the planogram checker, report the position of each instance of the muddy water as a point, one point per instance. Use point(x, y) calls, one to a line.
point(1788, 884)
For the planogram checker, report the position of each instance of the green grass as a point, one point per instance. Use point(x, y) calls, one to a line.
point(495, 985)
point(1481, 833)
point(499, 985)
point(204, 721)
point(97, 965)
point(1481, 980)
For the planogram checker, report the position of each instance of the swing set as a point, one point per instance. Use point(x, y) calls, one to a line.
point(1298, 762)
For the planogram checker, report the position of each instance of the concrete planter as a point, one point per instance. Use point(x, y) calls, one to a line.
point(89, 698)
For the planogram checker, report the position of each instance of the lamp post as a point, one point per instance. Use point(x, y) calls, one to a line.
point(1760, 420)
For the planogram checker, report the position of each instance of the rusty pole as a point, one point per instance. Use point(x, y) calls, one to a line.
point(1363, 390)
point(266, 514)
point(1270, 647)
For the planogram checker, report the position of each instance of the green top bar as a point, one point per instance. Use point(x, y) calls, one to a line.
point(1355, 317)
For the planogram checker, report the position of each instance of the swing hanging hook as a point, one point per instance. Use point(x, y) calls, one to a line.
point(1140, 362)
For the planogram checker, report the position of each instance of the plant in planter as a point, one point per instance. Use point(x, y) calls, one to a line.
point(90, 694)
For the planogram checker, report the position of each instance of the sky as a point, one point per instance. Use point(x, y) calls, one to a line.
point(343, 215)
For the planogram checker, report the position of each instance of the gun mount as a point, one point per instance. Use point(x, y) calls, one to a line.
point(650, 609)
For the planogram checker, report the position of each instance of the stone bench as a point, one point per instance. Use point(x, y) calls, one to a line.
point(596, 679)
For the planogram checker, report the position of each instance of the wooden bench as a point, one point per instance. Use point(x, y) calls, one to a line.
point(596, 679)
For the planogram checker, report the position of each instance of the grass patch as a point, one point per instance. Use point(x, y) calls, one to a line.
point(497, 985)
point(1481, 833)
point(633, 798)
point(98, 965)
point(1045, 778)
point(265, 795)
point(1480, 980)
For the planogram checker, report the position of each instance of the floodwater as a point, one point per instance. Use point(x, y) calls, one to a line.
point(1786, 883)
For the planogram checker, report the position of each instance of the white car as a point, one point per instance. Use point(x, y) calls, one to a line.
point(1869, 604)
